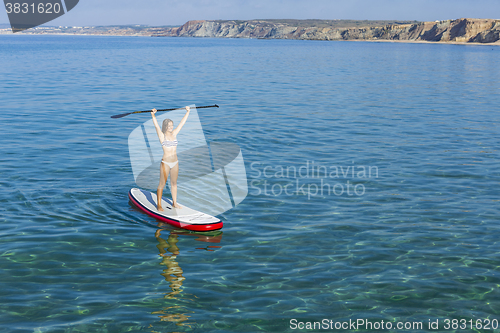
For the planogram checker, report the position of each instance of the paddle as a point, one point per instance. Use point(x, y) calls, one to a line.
point(126, 114)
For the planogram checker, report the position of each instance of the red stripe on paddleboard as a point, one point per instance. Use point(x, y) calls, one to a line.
point(175, 223)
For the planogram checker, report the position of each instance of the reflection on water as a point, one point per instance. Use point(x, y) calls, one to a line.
point(173, 272)
point(168, 252)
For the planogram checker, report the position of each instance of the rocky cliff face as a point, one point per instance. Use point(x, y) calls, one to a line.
point(461, 30)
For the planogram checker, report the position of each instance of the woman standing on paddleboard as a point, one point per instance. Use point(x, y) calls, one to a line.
point(169, 163)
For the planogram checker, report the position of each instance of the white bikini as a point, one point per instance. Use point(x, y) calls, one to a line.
point(170, 164)
point(168, 144)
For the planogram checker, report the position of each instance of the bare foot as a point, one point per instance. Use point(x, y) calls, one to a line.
point(175, 205)
point(160, 209)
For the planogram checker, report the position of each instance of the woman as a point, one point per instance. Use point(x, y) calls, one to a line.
point(169, 163)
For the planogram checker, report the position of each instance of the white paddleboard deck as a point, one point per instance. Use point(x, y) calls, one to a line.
point(184, 217)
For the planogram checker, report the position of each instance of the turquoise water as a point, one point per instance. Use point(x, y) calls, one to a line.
point(412, 237)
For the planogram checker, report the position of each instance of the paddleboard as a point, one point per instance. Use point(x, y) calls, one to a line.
point(184, 218)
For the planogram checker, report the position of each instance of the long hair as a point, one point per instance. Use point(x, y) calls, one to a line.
point(164, 125)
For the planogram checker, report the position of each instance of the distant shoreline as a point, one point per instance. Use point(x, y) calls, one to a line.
point(464, 31)
point(496, 44)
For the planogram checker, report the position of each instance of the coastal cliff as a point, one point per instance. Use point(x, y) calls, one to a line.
point(461, 30)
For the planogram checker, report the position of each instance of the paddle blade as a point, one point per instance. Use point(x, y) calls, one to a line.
point(120, 115)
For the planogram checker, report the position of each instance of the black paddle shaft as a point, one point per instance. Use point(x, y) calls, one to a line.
point(197, 107)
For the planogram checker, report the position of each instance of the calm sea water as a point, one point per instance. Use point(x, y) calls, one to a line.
point(372, 171)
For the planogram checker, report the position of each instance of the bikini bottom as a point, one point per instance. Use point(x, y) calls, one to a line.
point(170, 164)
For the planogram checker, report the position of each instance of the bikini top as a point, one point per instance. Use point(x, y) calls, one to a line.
point(167, 143)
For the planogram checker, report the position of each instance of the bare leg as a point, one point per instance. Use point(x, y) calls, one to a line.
point(164, 170)
point(174, 173)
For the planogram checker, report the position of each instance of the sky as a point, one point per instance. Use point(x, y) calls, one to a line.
point(177, 12)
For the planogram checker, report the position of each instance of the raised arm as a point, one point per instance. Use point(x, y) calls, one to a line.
point(161, 137)
point(183, 121)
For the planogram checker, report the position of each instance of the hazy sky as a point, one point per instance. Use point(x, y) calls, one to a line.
point(176, 12)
